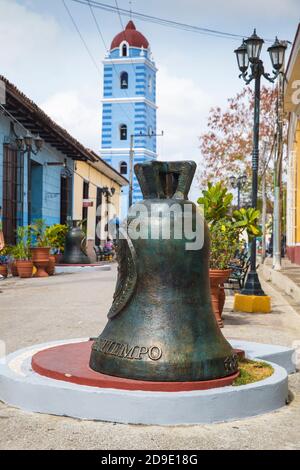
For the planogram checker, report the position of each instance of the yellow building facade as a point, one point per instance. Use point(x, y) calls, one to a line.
point(292, 107)
point(97, 193)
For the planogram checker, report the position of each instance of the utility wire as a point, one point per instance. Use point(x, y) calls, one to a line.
point(97, 25)
point(49, 148)
point(123, 29)
point(162, 21)
point(106, 48)
point(125, 35)
point(81, 37)
point(88, 50)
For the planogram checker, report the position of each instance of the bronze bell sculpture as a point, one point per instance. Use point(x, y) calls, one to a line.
point(74, 252)
point(161, 326)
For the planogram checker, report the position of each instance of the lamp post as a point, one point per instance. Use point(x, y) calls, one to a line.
point(238, 183)
point(249, 52)
point(29, 144)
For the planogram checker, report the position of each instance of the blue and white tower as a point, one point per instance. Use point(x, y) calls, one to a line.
point(129, 106)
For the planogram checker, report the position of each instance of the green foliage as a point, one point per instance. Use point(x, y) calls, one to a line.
point(5, 251)
point(252, 371)
point(216, 201)
point(39, 233)
point(21, 251)
point(226, 228)
point(5, 254)
point(247, 219)
point(224, 243)
point(56, 234)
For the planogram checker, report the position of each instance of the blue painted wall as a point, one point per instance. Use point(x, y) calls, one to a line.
point(46, 180)
point(135, 107)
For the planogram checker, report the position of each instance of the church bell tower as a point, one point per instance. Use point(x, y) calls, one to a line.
point(129, 106)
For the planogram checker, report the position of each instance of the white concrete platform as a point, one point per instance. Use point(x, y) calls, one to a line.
point(25, 389)
point(280, 355)
point(69, 269)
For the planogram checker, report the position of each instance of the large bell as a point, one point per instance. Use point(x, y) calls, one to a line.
point(161, 326)
point(74, 252)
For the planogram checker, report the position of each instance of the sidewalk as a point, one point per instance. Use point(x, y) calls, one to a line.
point(287, 280)
point(281, 326)
point(75, 305)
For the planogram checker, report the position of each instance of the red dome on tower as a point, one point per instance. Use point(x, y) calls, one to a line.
point(130, 35)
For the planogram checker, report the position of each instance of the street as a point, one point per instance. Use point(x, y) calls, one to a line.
point(74, 306)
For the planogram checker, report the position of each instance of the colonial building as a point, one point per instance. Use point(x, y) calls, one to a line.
point(97, 196)
point(45, 172)
point(129, 105)
point(292, 106)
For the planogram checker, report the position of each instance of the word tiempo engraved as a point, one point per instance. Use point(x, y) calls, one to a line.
point(124, 351)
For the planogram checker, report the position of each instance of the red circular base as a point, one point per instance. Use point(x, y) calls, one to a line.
point(70, 362)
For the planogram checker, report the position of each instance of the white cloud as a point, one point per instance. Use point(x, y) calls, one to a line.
point(183, 106)
point(42, 54)
point(78, 113)
point(22, 32)
point(250, 9)
point(182, 114)
point(41, 58)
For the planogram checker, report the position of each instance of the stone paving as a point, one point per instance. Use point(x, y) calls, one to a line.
point(75, 305)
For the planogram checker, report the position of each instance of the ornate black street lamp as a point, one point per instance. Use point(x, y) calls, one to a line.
point(238, 183)
point(249, 52)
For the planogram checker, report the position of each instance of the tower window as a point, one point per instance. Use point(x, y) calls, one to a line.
point(150, 87)
point(123, 132)
point(124, 80)
point(123, 168)
point(124, 49)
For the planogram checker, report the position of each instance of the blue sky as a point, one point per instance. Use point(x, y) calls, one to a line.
point(42, 54)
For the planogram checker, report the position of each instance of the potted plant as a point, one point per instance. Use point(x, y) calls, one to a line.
point(225, 230)
point(56, 235)
point(21, 252)
point(13, 262)
point(223, 246)
point(4, 258)
point(40, 252)
point(9, 260)
point(216, 202)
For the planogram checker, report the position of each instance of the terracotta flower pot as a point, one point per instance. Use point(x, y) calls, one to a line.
point(14, 269)
point(24, 268)
point(40, 258)
point(3, 270)
point(51, 265)
point(217, 278)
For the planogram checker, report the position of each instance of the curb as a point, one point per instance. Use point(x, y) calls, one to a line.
point(281, 282)
point(25, 389)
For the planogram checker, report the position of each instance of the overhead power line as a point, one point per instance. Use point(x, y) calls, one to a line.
point(162, 21)
point(48, 147)
point(88, 49)
point(81, 37)
point(106, 48)
point(123, 29)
